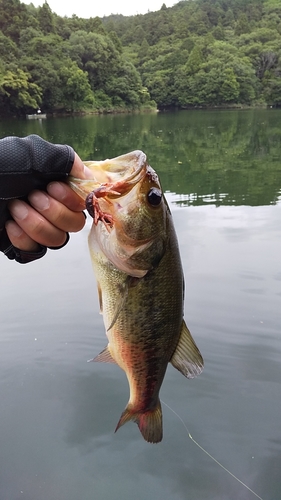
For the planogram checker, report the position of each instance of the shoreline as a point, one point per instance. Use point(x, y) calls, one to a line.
point(57, 114)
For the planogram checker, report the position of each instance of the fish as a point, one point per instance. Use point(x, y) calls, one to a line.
point(136, 261)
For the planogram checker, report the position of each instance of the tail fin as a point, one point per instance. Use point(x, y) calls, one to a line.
point(149, 422)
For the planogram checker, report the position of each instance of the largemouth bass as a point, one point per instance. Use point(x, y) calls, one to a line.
point(136, 260)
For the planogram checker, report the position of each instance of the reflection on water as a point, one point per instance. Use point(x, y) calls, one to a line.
point(229, 158)
point(58, 412)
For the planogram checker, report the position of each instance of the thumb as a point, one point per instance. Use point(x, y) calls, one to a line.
point(80, 170)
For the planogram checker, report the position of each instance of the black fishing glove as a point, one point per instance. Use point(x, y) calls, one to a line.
point(26, 164)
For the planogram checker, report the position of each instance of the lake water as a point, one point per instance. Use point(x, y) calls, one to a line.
point(222, 174)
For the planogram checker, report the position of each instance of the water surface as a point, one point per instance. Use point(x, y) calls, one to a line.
point(222, 175)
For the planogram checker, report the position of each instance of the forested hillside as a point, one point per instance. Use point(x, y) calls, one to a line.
point(197, 53)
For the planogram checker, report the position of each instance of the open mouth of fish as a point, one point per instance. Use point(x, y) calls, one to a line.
point(126, 170)
point(112, 178)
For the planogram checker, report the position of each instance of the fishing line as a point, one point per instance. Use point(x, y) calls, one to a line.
point(209, 455)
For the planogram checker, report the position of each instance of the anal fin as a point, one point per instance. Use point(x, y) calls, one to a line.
point(104, 356)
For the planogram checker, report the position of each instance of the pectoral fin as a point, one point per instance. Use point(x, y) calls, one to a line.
point(104, 356)
point(187, 357)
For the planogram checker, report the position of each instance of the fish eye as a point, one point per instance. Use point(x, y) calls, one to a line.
point(154, 197)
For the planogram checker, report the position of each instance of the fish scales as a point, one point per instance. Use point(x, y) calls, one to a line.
point(151, 308)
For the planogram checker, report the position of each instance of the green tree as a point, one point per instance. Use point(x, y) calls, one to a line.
point(44, 46)
point(95, 25)
point(229, 90)
point(13, 17)
point(17, 93)
point(199, 23)
point(46, 19)
point(272, 89)
point(62, 27)
point(195, 60)
point(160, 88)
point(45, 73)
point(95, 54)
point(125, 86)
point(8, 49)
point(228, 19)
point(76, 90)
point(116, 41)
point(218, 33)
point(27, 35)
point(242, 25)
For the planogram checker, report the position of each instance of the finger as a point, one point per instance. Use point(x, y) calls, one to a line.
point(57, 213)
point(19, 238)
point(63, 193)
point(37, 227)
point(80, 170)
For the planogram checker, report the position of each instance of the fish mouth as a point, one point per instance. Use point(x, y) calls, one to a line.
point(123, 186)
point(116, 176)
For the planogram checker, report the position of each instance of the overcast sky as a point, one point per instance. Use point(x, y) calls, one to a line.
point(92, 8)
